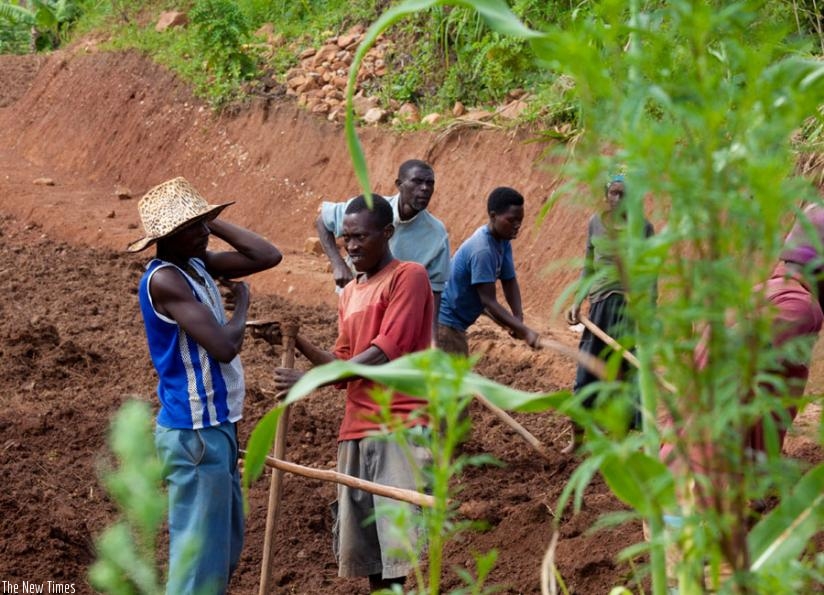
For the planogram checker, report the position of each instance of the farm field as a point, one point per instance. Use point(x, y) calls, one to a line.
point(72, 348)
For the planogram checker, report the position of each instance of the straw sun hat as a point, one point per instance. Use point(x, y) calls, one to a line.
point(169, 206)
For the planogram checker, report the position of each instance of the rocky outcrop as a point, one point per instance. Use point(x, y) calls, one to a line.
point(320, 79)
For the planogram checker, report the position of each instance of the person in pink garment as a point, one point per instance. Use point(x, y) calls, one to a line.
point(795, 291)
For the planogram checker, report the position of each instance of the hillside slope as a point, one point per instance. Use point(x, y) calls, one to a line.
point(101, 119)
point(72, 347)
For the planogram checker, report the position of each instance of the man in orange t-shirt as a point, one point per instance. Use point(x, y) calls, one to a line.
point(384, 313)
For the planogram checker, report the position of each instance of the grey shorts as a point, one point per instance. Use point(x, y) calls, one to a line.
point(367, 542)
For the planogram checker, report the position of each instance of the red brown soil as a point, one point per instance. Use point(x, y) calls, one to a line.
point(72, 348)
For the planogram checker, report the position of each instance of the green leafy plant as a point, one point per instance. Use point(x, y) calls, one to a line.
point(126, 550)
point(220, 32)
point(448, 385)
point(47, 20)
point(698, 103)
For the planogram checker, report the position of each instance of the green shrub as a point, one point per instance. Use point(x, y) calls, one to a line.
point(47, 22)
point(125, 551)
point(220, 32)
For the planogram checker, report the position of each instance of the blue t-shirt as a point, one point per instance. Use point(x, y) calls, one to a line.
point(480, 259)
point(422, 239)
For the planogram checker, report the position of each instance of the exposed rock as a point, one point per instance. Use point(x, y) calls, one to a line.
point(43, 182)
point(345, 41)
point(325, 54)
point(308, 85)
point(477, 115)
point(297, 81)
point(312, 246)
point(320, 82)
point(374, 115)
point(122, 192)
point(169, 19)
point(409, 113)
point(357, 29)
point(363, 104)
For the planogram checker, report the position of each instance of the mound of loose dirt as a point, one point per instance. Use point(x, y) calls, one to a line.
point(72, 351)
point(72, 347)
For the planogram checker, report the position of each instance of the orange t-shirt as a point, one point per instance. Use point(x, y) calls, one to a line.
point(391, 310)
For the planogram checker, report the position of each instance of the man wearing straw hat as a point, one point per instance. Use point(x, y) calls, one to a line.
point(194, 349)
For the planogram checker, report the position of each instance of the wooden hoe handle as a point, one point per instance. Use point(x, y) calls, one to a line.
point(401, 494)
point(290, 332)
point(515, 426)
point(630, 357)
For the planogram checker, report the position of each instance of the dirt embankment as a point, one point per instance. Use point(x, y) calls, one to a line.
point(72, 346)
point(91, 121)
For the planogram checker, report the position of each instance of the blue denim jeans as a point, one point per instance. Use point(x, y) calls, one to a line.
point(205, 507)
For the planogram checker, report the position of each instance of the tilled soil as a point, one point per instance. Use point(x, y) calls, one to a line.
point(72, 348)
point(72, 351)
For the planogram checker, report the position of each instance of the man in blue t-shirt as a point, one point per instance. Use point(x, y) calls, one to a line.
point(194, 349)
point(477, 265)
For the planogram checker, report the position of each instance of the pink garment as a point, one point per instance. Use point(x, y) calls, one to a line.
point(798, 314)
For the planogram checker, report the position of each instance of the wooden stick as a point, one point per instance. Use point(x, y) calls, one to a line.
point(290, 332)
point(590, 362)
point(512, 423)
point(630, 357)
point(593, 364)
point(401, 494)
